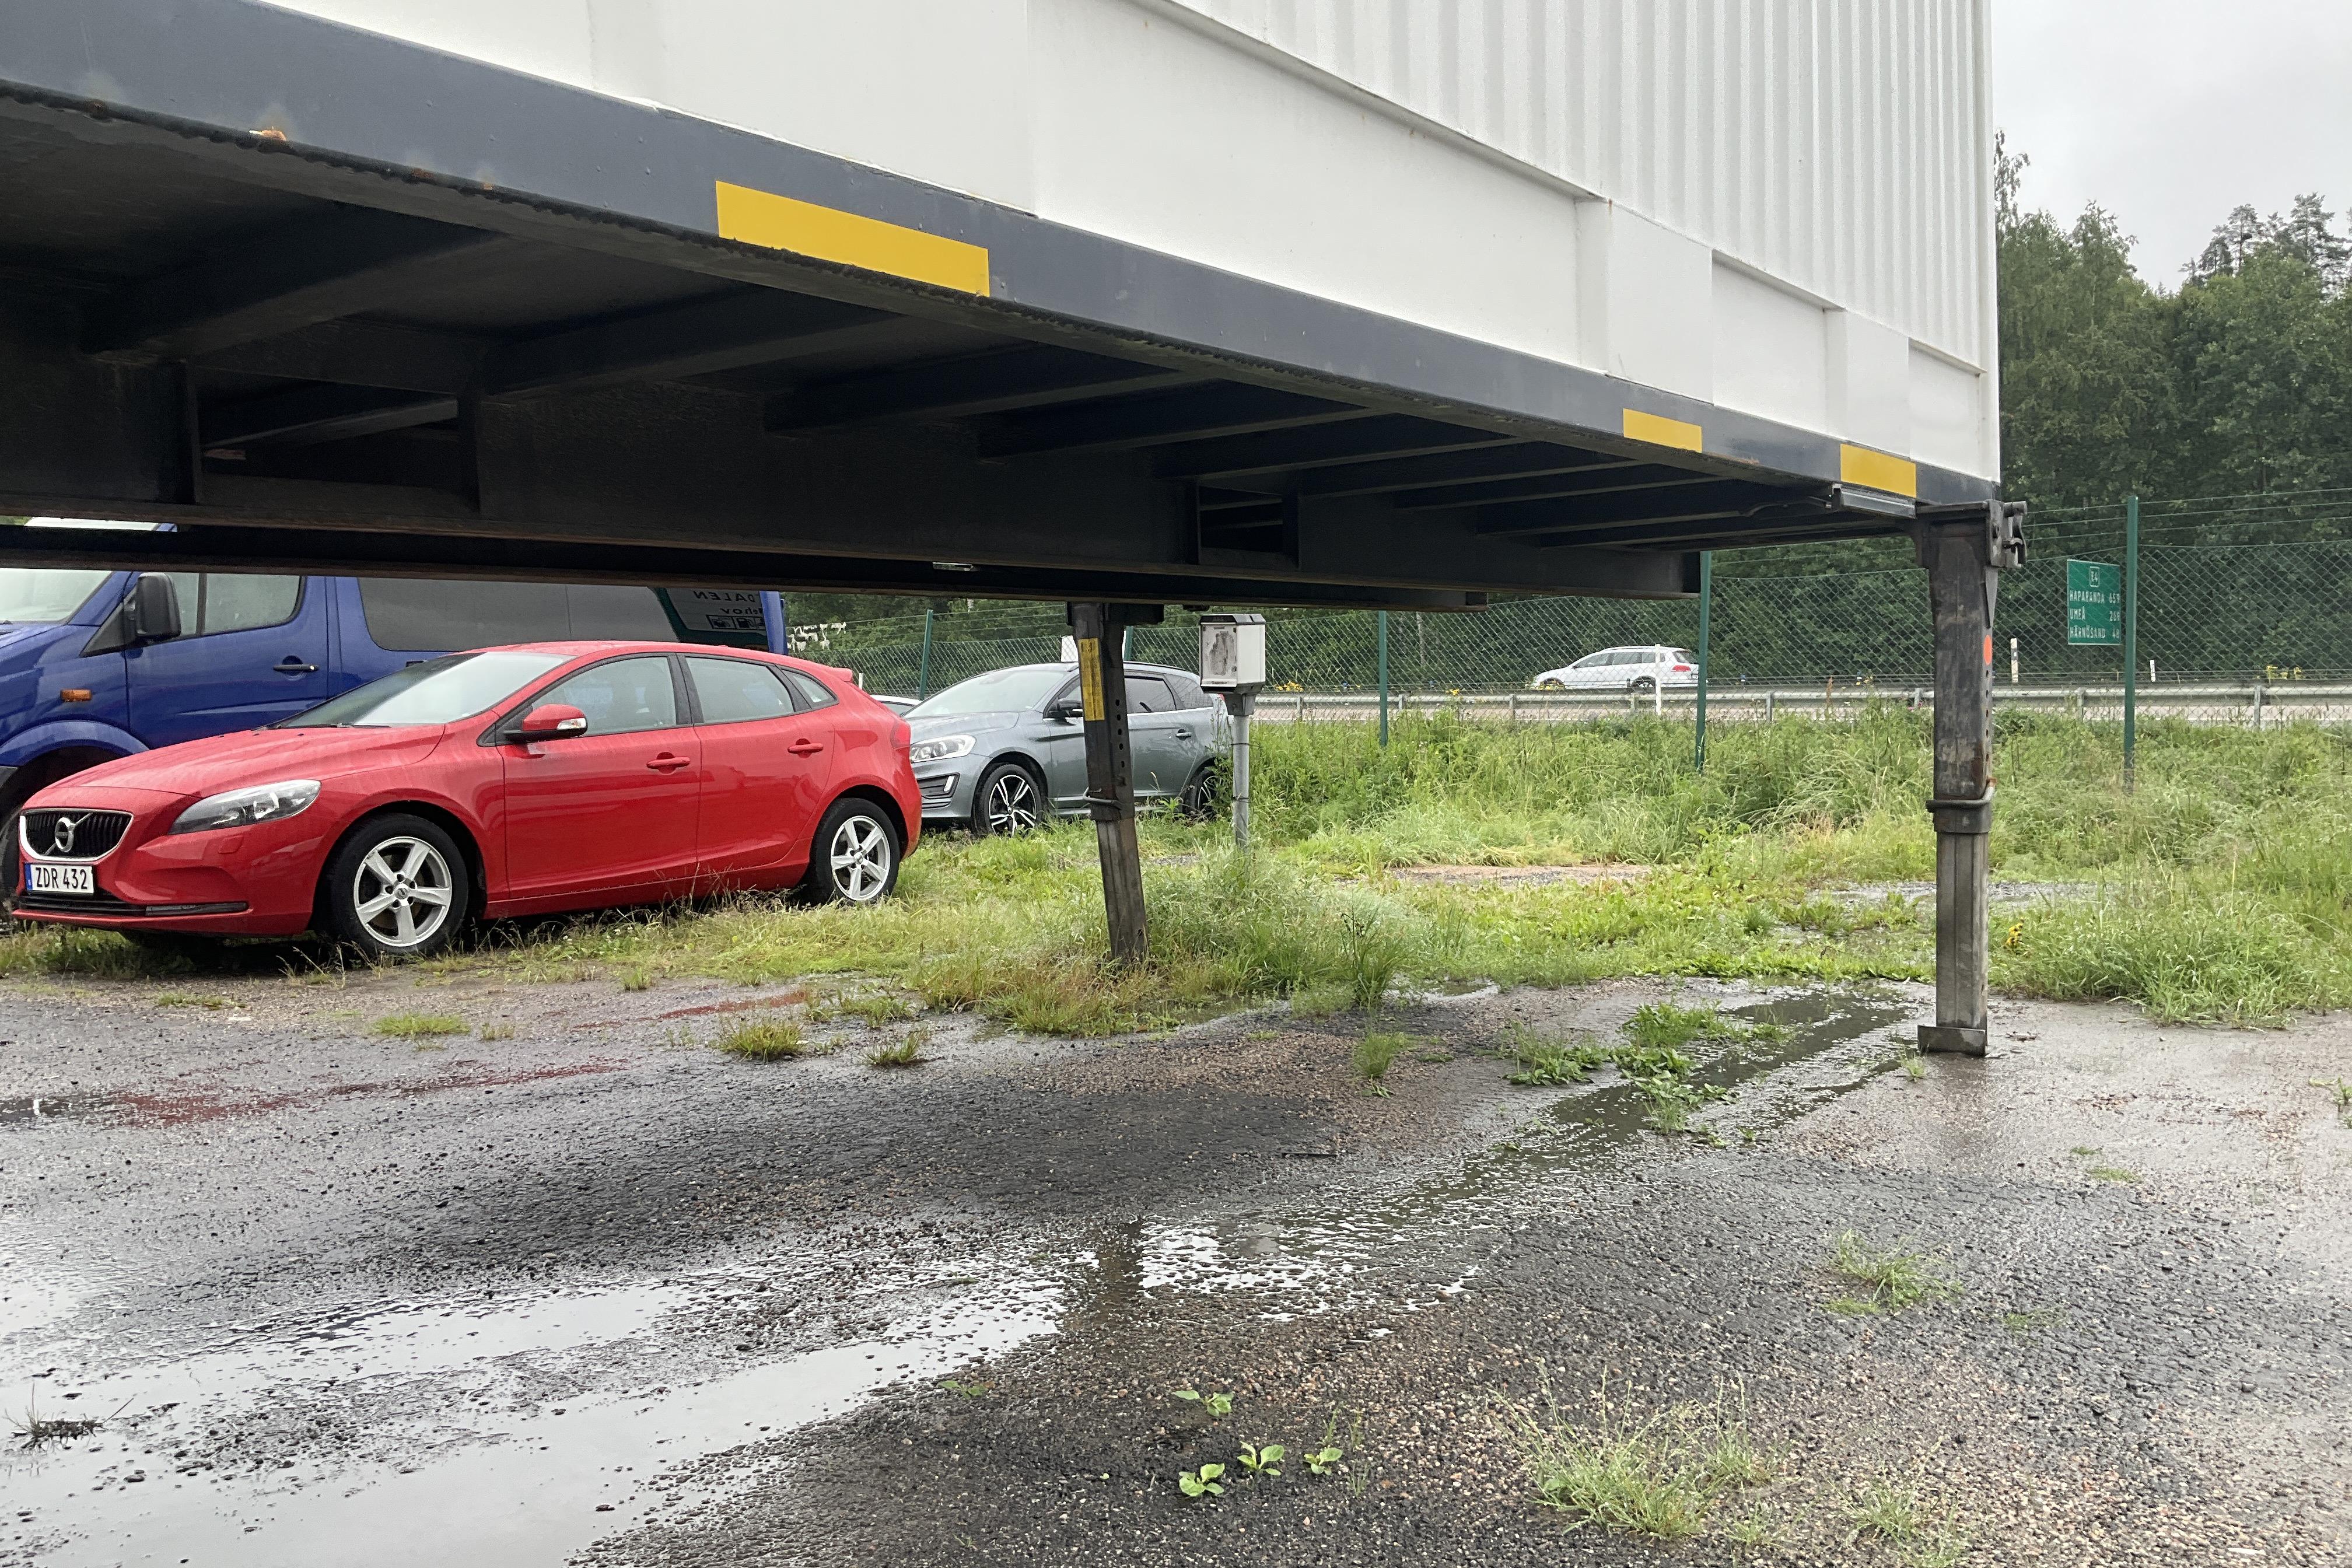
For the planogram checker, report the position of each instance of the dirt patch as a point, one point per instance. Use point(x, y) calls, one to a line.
point(1522, 876)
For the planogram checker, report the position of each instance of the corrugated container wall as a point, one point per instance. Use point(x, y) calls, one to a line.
point(1783, 206)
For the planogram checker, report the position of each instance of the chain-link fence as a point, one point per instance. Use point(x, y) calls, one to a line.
point(2244, 615)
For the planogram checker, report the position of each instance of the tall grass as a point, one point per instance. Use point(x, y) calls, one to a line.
point(2217, 890)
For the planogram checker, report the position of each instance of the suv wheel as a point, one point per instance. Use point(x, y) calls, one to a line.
point(1009, 799)
point(1642, 686)
point(1204, 793)
point(398, 887)
point(854, 858)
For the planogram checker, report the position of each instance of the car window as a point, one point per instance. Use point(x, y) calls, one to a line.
point(234, 601)
point(737, 690)
point(813, 692)
point(1188, 690)
point(1013, 691)
point(1681, 656)
point(435, 691)
point(621, 696)
point(1148, 694)
point(1591, 662)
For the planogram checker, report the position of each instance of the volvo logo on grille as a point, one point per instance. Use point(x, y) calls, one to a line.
point(61, 836)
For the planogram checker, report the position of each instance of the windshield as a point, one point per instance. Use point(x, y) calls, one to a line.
point(438, 691)
point(45, 593)
point(1012, 690)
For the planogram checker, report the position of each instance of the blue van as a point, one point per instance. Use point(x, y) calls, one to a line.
point(97, 664)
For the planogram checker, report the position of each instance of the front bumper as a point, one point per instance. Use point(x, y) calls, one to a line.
point(255, 881)
point(946, 791)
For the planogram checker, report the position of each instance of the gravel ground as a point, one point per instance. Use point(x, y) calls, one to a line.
point(588, 1290)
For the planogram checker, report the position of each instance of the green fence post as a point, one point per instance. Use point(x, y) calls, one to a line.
point(1384, 677)
point(2131, 638)
point(1705, 615)
point(923, 669)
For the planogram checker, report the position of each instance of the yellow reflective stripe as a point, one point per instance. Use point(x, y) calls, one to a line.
point(780, 223)
point(1660, 431)
point(1090, 696)
point(1877, 471)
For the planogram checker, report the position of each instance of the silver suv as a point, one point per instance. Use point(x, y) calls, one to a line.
point(1002, 750)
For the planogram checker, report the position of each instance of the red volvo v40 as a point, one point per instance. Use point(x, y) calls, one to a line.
point(509, 781)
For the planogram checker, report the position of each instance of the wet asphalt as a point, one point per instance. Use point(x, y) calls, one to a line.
point(587, 1290)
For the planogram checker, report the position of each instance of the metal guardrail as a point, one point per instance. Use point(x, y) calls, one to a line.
point(2255, 703)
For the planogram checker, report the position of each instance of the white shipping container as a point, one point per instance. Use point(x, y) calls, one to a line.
point(1781, 208)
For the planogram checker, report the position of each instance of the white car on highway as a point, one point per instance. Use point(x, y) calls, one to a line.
point(1641, 669)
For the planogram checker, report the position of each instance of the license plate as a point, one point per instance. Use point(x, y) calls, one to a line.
point(41, 879)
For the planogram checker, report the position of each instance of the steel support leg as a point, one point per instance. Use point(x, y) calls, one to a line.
point(1100, 633)
point(1964, 555)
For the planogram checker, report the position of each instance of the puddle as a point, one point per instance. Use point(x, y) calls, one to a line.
point(549, 1422)
point(1520, 875)
point(174, 1107)
point(521, 1427)
point(32, 1108)
point(1309, 1260)
point(745, 1004)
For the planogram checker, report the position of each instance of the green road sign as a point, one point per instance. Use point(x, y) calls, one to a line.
point(2095, 603)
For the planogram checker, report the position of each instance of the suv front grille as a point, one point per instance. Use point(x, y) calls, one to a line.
point(69, 834)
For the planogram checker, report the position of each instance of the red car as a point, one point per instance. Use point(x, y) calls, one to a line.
point(509, 781)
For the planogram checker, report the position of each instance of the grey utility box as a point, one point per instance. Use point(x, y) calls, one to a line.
point(1233, 653)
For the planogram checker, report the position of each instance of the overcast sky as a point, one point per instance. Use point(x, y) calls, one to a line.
point(2170, 112)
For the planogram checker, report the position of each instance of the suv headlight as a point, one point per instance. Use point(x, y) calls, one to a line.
point(243, 808)
point(940, 749)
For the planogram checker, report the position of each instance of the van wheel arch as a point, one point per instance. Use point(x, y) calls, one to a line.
point(30, 779)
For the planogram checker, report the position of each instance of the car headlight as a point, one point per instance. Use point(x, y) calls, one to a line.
point(243, 808)
point(939, 750)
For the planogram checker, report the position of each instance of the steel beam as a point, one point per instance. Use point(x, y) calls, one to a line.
point(729, 331)
point(1964, 553)
point(354, 261)
point(1378, 436)
point(360, 354)
point(1594, 481)
point(959, 388)
point(506, 557)
point(1564, 520)
point(1451, 465)
point(305, 415)
point(1161, 418)
point(1099, 630)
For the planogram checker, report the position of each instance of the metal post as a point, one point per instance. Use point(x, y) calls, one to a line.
point(1240, 705)
point(1111, 774)
point(2131, 640)
point(1384, 677)
point(923, 670)
point(1964, 555)
point(1705, 615)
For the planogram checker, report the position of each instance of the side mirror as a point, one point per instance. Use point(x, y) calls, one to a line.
point(549, 722)
point(152, 612)
point(1064, 710)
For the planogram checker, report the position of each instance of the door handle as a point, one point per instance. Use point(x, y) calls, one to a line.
point(806, 748)
point(1185, 734)
point(666, 763)
point(290, 664)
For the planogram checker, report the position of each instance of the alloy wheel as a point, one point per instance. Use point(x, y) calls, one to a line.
point(1012, 804)
point(861, 860)
point(402, 893)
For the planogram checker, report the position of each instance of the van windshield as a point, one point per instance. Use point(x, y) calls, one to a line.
point(45, 593)
point(438, 691)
